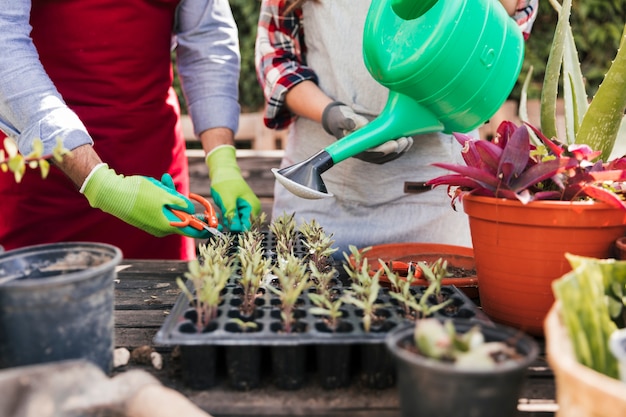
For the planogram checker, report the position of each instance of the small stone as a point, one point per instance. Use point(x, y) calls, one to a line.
point(142, 355)
point(157, 360)
point(121, 356)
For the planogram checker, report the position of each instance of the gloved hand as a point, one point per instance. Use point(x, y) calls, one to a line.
point(340, 120)
point(229, 190)
point(140, 201)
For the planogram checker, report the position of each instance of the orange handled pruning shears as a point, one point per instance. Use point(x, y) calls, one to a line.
point(204, 221)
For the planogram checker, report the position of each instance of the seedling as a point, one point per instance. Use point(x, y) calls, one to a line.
point(254, 268)
point(364, 288)
point(284, 230)
point(327, 307)
point(293, 280)
point(412, 304)
point(318, 244)
point(244, 326)
point(208, 278)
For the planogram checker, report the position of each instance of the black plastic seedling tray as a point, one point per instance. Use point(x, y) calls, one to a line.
point(335, 359)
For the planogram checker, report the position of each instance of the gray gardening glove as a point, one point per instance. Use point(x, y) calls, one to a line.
point(340, 120)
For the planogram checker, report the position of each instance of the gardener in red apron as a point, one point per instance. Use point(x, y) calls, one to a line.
point(97, 75)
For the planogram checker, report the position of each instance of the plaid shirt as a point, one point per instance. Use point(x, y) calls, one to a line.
point(280, 55)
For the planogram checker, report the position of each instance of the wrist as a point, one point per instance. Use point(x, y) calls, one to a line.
point(91, 174)
point(325, 113)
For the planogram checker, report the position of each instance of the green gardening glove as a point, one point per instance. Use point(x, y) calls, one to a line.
point(229, 190)
point(140, 201)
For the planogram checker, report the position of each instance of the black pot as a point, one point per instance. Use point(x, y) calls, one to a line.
point(57, 302)
point(429, 387)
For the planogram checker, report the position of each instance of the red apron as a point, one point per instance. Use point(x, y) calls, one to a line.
point(110, 60)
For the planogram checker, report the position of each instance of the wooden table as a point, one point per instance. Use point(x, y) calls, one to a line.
point(147, 290)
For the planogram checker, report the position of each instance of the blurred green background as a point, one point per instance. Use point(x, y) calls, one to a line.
point(597, 26)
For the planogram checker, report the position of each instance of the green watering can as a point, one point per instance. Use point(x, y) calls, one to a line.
point(448, 64)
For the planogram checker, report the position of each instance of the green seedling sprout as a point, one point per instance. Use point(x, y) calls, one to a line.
point(364, 288)
point(318, 244)
point(327, 307)
point(208, 278)
point(322, 280)
point(293, 280)
point(284, 229)
point(254, 268)
point(244, 326)
point(412, 305)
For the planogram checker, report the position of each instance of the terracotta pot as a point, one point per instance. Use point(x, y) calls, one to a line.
point(580, 391)
point(519, 250)
point(457, 256)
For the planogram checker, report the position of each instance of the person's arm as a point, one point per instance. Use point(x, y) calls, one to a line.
point(30, 105)
point(280, 66)
point(32, 108)
point(208, 59)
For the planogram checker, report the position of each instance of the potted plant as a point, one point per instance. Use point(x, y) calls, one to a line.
point(458, 368)
point(585, 320)
point(529, 203)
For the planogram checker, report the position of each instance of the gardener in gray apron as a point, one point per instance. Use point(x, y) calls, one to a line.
point(374, 203)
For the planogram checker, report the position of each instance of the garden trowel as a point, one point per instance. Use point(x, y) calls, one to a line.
point(448, 65)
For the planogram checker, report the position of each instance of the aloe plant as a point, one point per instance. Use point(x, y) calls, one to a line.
point(595, 123)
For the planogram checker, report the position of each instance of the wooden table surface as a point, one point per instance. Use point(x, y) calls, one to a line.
point(145, 293)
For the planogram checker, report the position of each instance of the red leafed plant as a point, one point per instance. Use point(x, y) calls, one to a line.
point(512, 167)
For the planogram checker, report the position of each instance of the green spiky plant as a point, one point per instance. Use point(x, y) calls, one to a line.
point(319, 245)
point(415, 305)
point(364, 287)
point(208, 276)
point(285, 231)
point(595, 122)
point(254, 268)
point(292, 280)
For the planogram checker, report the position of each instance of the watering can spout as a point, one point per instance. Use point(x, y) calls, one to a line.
point(402, 116)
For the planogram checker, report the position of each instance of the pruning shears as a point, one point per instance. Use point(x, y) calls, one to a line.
point(199, 221)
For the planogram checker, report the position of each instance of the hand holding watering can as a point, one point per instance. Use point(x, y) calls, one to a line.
point(448, 65)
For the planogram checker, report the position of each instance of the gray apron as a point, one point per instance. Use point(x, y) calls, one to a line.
point(369, 206)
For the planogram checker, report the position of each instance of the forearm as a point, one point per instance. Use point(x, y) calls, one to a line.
point(306, 99)
point(79, 164)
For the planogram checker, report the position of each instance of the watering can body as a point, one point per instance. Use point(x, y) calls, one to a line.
point(448, 64)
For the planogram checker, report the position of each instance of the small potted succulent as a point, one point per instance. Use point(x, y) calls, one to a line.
point(458, 368)
point(531, 202)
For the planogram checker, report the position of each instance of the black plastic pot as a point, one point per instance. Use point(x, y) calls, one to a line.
point(56, 303)
point(428, 387)
point(199, 366)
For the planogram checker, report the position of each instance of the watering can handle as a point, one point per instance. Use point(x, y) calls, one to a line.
point(411, 9)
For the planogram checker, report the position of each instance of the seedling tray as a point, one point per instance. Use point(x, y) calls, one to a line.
point(222, 351)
